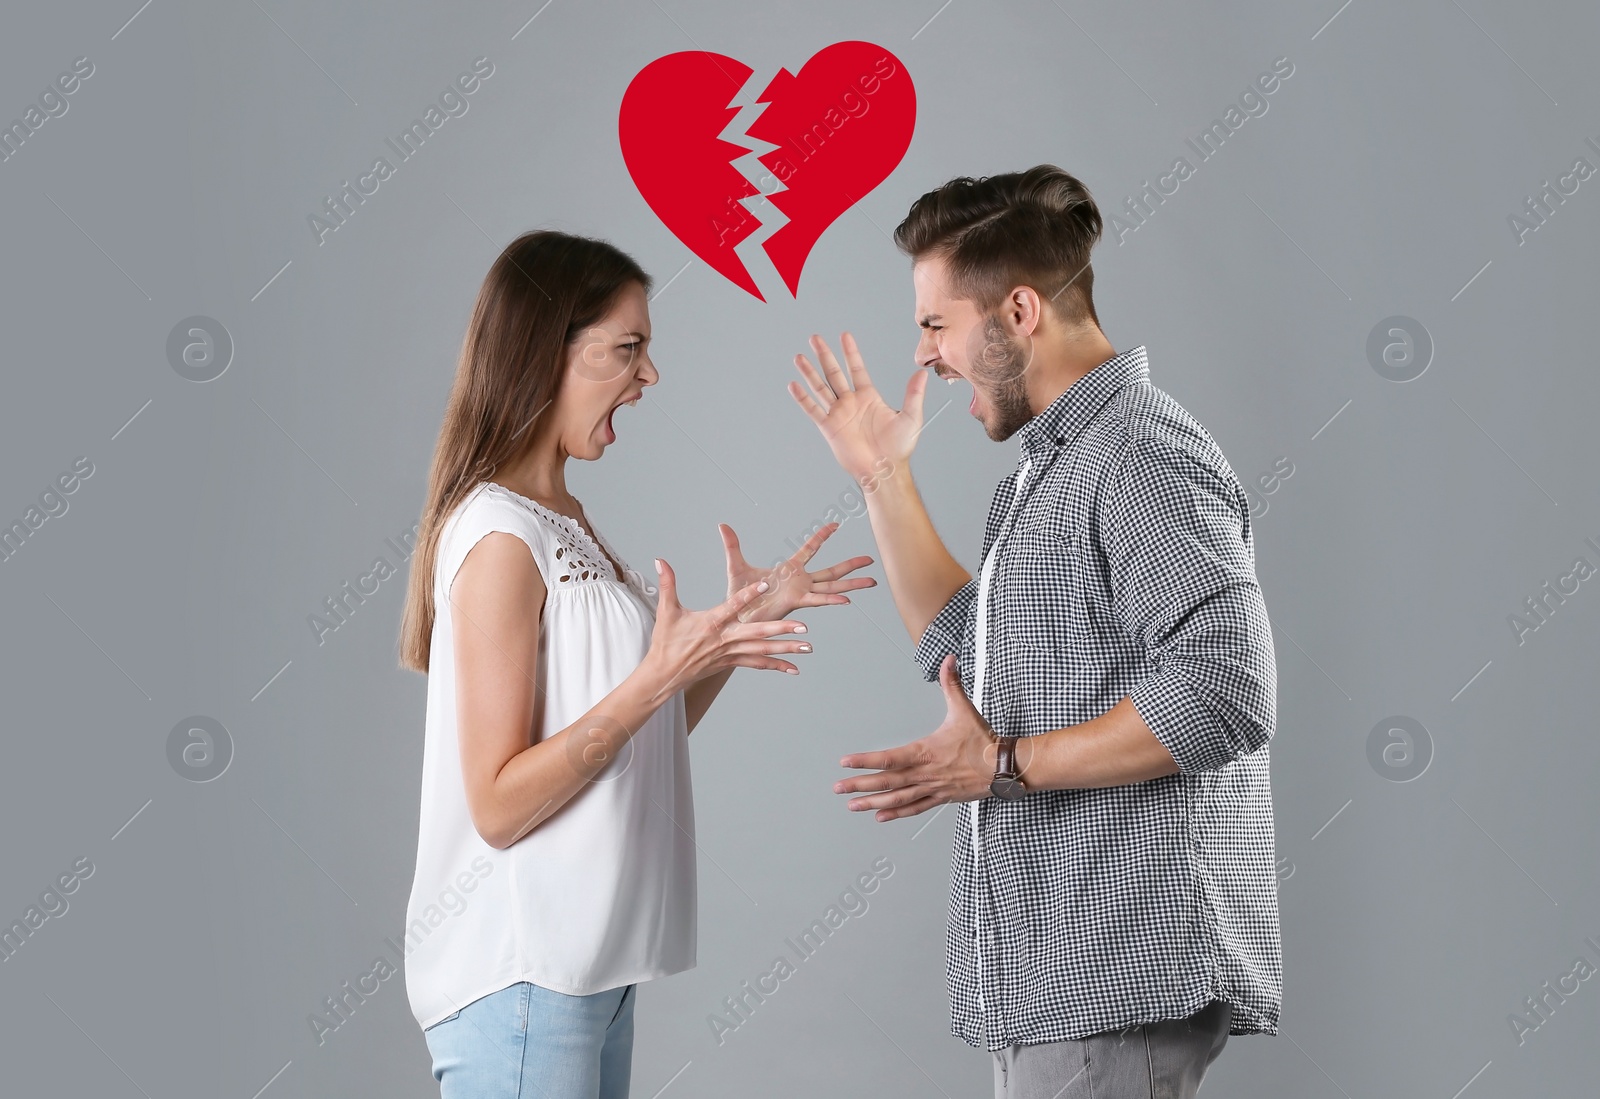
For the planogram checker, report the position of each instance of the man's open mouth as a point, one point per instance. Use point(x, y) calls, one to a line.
point(951, 377)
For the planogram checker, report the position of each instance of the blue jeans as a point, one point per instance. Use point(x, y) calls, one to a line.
point(527, 1042)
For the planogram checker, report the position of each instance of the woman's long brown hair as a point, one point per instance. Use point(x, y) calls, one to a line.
point(540, 295)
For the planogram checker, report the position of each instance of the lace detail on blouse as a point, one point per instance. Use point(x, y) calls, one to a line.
point(580, 555)
point(577, 561)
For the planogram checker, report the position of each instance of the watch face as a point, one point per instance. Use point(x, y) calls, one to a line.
point(1008, 787)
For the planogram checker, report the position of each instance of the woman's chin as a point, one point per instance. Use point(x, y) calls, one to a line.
point(601, 437)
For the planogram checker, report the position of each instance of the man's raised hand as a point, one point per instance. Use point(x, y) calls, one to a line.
point(867, 437)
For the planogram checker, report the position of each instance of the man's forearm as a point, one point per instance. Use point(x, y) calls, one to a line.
point(921, 573)
point(1113, 749)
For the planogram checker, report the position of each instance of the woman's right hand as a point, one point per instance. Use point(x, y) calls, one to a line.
point(687, 645)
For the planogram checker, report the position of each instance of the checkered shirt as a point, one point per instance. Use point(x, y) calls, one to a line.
point(1124, 567)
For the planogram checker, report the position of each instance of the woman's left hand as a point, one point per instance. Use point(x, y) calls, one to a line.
point(792, 586)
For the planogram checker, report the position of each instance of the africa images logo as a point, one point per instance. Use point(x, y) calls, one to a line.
point(826, 136)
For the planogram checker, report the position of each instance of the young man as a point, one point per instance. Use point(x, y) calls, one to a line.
point(1109, 674)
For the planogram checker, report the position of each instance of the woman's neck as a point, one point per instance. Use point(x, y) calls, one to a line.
point(540, 475)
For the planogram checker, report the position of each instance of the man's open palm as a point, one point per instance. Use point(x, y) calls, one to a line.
point(955, 762)
point(866, 435)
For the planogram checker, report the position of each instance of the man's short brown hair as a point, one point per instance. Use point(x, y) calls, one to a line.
point(1033, 228)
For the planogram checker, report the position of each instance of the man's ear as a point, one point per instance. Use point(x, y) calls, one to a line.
point(1024, 310)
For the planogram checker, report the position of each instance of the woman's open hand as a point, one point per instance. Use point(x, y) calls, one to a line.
point(791, 585)
point(688, 645)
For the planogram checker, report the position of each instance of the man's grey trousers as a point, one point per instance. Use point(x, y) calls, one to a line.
point(1161, 1060)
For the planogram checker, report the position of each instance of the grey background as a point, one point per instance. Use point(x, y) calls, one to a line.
point(1417, 915)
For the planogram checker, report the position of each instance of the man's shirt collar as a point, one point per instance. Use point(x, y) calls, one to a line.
point(1059, 423)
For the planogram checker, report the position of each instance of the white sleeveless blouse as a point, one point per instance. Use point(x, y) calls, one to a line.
point(601, 894)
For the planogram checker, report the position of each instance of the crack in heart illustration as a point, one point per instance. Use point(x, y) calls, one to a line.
point(840, 126)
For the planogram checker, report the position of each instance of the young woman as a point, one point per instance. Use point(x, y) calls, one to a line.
point(555, 859)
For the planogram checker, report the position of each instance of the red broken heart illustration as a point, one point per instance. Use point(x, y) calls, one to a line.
point(841, 126)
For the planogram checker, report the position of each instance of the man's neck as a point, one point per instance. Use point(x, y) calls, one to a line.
point(1058, 367)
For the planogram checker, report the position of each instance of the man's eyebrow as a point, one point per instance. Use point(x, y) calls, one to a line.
point(930, 318)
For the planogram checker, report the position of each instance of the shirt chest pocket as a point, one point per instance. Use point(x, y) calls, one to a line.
point(1043, 580)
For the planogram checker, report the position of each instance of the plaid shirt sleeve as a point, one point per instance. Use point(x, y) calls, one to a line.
point(1174, 528)
point(944, 633)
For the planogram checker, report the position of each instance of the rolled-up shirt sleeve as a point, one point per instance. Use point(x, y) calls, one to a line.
point(1184, 585)
point(943, 635)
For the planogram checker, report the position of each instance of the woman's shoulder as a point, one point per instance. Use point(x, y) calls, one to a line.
point(490, 507)
point(487, 509)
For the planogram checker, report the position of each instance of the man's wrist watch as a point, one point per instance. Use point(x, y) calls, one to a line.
point(1007, 782)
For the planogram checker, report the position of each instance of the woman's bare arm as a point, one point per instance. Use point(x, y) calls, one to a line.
point(513, 784)
point(698, 696)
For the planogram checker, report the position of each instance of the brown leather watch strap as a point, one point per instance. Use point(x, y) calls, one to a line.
point(1005, 757)
point(1007, 784)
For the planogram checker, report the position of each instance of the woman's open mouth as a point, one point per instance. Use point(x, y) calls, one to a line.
point(611, 431)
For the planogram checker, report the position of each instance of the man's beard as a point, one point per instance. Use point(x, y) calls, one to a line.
point(1001, 366)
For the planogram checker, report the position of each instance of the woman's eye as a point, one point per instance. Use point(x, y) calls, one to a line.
point(634, 346)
